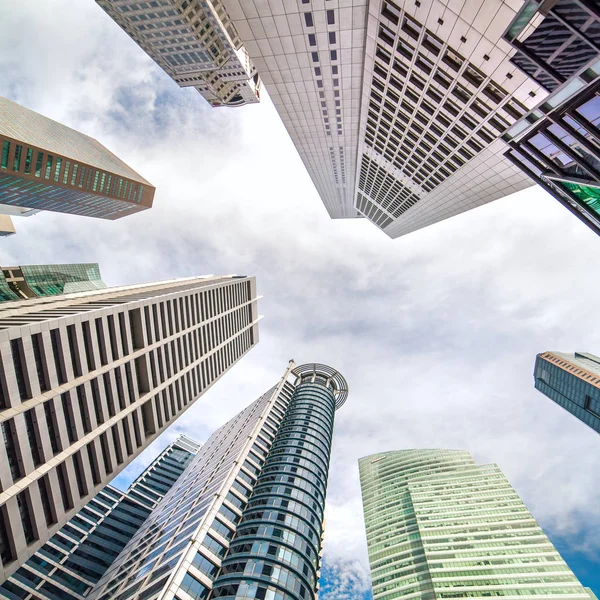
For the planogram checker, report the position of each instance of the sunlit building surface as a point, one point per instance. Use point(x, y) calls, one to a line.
point(440, 526)
point(246, 518)
point(89, 379)
point(572, 380)
point(74, 559)
point(48, 166)
point(558, 143)
point(33, 281)
point(195, 43)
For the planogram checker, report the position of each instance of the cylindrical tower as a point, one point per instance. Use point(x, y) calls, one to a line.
point(275, 552)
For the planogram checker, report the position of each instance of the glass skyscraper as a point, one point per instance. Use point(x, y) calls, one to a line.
point(572, 380)
point(33, 281)
point(73, 560)
point(440, 526)
point(246, 518)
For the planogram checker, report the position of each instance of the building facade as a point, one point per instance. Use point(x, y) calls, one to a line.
point(33, 281)
point(68, 565)
point(48, 166)
point(90, 379)
point(246, 518)
point(396, 108)
point(572, 380)
point(440, 526)
point(194, 42)
point(400, 109)
point(558, 143)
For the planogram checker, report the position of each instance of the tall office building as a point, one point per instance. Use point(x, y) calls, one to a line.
point(89, 379)
point(74, 558)
point(397, 108)
point(572, 380)
point(33, 281)
point(246, 518)
point(440, 526)
point(48, 166)
point(558, 143)
point(195, 43)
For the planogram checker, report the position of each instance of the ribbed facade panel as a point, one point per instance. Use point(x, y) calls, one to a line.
point(88, 380)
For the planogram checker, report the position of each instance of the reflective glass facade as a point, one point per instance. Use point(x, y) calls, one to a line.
point(246, 519)
point(32, 281)
point(73, 560)
point(573, 382)
point(47, 166)
point(439, 526)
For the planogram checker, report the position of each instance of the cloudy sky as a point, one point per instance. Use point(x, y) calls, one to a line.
point(436, 332)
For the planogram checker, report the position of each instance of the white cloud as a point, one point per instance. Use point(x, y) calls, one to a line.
point(436, 332)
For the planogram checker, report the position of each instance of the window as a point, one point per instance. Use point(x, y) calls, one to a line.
point(5, 151)
point(16, 347)
point(193, 587)
point(49, 161)
point(312, 40)
point(38, 164)
point(24, 504)
point(330, 17)
point(17, 160)
point(332, 37)
point(592, 406)
point(333, 54)
point(12, 452)
point(308, 19)
point(315, 56)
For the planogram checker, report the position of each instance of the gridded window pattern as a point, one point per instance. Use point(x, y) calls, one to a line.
point(94, 377)
point(565, 41)
point(430, 109)
point(573, 382)
point(195, 42)
point(75, 558)
point(198, 517)
point(440, 526)
point(369, 210)
point(384, 189)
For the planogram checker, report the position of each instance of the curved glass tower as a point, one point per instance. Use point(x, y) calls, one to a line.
point(440, 527)
point(279, 538)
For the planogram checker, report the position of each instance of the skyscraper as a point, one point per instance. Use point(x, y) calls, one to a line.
point(572, 380)
point(89, 379)
point(246, 518)
point(195, 43)
point(557, 144)
point(74, 558)
point(48, 166)
point(440, 526)
point(32, 281)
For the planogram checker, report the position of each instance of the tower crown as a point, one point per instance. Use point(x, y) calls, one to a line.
point(325, 375)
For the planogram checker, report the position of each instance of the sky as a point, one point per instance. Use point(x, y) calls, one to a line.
point(436, 332)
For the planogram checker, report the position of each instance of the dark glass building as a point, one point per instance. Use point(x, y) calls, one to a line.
point(246, 518)
point(558, 143)
point(68, 565)
point(33, 281)
point(573, 382)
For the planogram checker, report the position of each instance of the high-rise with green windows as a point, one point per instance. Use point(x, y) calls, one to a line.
point(440, 526)
point(35, 281)
point(45, 165)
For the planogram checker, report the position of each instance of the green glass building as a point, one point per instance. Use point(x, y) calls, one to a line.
point(34, 281)
point(440, 526)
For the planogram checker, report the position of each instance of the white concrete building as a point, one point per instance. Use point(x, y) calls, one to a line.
point(89, 379)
